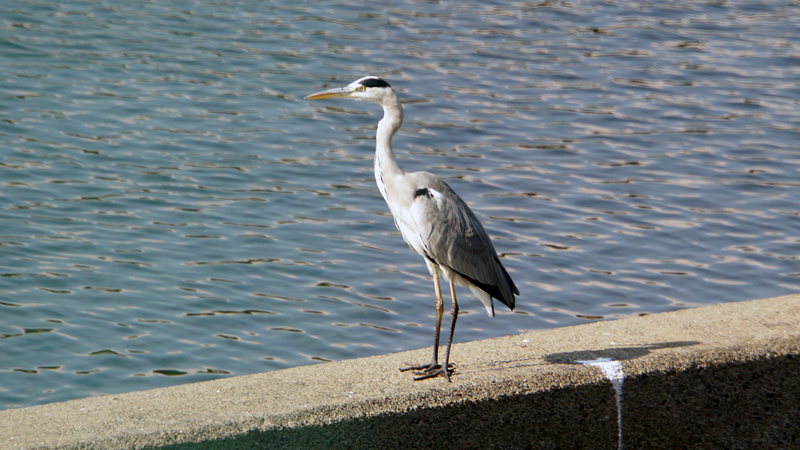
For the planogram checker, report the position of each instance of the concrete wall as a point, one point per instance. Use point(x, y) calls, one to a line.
point(725, 376)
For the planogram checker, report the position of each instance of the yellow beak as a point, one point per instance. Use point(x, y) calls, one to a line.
point(331, 93)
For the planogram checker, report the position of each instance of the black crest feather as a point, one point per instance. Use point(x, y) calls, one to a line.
point(375, 82)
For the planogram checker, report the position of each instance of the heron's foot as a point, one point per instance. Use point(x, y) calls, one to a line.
point(422, 367)
point(426, 371)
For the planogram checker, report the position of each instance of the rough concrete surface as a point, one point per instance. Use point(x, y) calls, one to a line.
point(724, 376)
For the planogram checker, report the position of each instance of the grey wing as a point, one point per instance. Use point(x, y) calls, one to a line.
point(453, 237)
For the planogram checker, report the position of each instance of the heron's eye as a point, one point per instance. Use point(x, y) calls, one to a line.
point(362, 88)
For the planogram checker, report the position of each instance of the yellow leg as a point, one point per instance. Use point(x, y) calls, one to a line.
point(453, 318)
point(434, 370)
point(434, 365)
point(439, 314)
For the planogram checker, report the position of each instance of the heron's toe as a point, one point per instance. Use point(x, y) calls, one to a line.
point(435, 372)
point(431, 370)
point(422, 367)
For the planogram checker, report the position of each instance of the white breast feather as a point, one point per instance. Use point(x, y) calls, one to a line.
point(407, 224)
point(415, 223)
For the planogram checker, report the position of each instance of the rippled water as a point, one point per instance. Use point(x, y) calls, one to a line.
point(172, 210)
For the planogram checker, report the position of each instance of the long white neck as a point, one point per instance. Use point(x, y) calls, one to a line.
point(385, 163)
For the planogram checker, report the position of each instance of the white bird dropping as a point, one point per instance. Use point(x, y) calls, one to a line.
point(613, 371)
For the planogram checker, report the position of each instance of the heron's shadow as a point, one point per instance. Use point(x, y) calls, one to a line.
point(580, 356)
point(615, 353)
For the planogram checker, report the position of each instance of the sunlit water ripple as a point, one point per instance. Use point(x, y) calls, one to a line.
point(173, 211)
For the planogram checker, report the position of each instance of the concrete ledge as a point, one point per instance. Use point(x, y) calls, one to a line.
point(724, 376)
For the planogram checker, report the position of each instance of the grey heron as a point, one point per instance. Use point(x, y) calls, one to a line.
point(434, 221)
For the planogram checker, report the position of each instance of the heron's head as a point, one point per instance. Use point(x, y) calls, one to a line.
point(368, 88)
